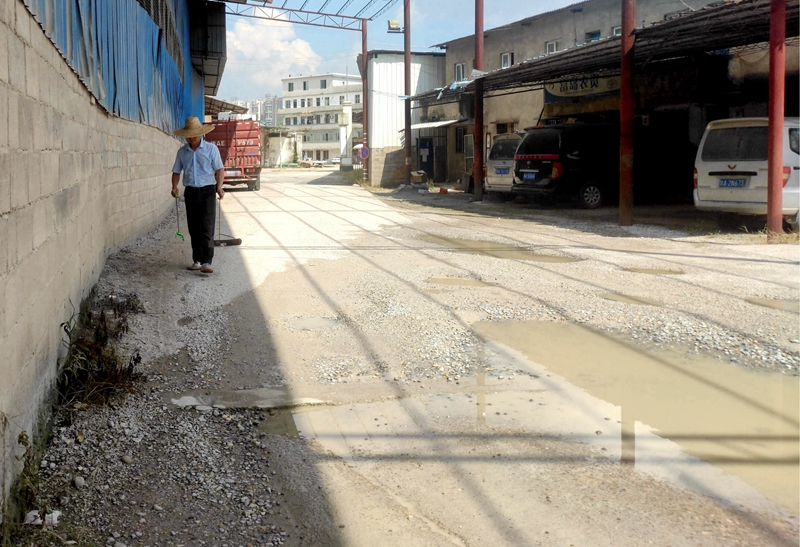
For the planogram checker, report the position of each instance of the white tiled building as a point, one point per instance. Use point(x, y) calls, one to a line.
point(262, 110)
point(312, 105)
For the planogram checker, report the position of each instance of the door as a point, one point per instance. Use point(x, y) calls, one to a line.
point(425, 147)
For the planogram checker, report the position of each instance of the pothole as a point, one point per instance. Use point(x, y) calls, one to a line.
point(496, 250)
point(776, 304)
point(654, 271)
point(628, 299)
point(463, 281)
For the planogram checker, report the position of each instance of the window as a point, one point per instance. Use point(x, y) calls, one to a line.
point(794, 140)
point(502, 128)
point(294, 122)
point(341, 99)
point(317, 119)
point(736, 144)
point(319, 101)
point(324, 136)
point(302, 121)
point(291, 86)
point(616, 31)
point(310, 120)
point(592, 36)
point(551, 47)
point(358, 98)
point(459, 72)
point(460, 132)
point(323, 84)
point(336, 118)
point(305, 86)
point(288, 104)
point(324, 154)
point(327, 101)
point(507, 59)
point(302, 103)
point(294, 103)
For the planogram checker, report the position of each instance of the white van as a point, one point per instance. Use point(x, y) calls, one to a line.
point(499, 165)
point(730, 170)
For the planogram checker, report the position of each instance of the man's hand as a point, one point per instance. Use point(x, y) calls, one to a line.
point(220, 193)
point(175, 193)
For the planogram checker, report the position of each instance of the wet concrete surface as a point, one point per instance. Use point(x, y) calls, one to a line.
point(424, 388)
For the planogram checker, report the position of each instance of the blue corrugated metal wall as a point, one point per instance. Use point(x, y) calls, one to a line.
point(118, 52)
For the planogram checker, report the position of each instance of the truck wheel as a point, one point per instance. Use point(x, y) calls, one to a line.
point(251, 185)
point(257, 185)
point(590, 196)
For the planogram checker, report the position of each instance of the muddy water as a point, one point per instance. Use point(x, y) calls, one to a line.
point(788, 305)
point(496, 250)
point(628, 299)
point(312, 323)
point(653, 271)
point(462, 281)
point(742, 422)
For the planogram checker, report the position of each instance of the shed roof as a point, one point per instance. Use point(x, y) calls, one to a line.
point(735, 23)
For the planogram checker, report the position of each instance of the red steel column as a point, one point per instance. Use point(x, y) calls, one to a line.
point(777, 79)
point(477, 171)
point(407, 63)
point(626, 111)
point(365, 95)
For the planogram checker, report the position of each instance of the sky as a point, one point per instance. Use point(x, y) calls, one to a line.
point(260, 53)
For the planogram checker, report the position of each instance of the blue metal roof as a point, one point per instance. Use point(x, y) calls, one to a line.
point(119, 53)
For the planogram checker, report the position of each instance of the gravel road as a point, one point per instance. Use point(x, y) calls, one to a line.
point(397, 315)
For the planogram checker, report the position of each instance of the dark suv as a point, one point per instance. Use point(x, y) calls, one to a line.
point(576, 161)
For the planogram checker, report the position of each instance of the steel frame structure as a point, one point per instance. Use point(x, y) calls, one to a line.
point(263, 9)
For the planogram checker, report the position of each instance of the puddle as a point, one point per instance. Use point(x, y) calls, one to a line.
point(183, 321)
point(627, 299)
point(496, 250)
point(774, 303)
point(653, 271)
point(244, 398)
point(437, 291)
point(279, 423)
point(312, 323)
point(741, 424)
point(466, 282)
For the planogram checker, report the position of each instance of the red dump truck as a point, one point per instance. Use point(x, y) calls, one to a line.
point(239, 143)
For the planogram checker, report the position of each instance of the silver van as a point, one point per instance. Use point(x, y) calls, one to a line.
point(730, 170)
point(499, 165)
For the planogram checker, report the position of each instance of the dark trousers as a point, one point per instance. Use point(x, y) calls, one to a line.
point(200, 216)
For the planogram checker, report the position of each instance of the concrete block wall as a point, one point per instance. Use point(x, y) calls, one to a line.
point(386, 167)
point(74, 184)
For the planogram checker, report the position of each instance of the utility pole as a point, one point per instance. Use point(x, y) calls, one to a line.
point(365, 97)
point(478, 163)
point(777, 81)
point(407, 63)
point(626, 112)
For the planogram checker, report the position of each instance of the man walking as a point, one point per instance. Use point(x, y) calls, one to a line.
point(202, 177)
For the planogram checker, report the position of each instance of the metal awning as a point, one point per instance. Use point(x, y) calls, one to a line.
point(214, 106)
point(718, 28)
point(431, 125)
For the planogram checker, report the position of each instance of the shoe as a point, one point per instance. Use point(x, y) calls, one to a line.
point(207, 268)
point(194, 267)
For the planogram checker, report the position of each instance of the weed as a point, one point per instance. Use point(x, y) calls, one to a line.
point(93, 370)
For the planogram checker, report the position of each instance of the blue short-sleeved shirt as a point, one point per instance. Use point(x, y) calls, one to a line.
point(198, 166)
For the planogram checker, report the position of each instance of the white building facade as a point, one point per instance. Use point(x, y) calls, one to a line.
point(386, 81)
point(263, 110)
point(312, 107)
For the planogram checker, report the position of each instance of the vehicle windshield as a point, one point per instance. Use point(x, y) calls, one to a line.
point(540, 141)
point(504, 149)
point(736, 144)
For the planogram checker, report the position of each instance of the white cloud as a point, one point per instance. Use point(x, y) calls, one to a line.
point(260, 53)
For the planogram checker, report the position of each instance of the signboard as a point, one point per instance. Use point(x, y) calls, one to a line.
point(363, 152)
point(580, 87)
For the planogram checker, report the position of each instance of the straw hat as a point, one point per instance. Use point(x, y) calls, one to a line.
point(193, 128)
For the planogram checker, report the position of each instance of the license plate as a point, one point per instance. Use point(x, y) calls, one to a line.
point(732, 183)
point(231, 172)
point(528, 176)
point(501, 171)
